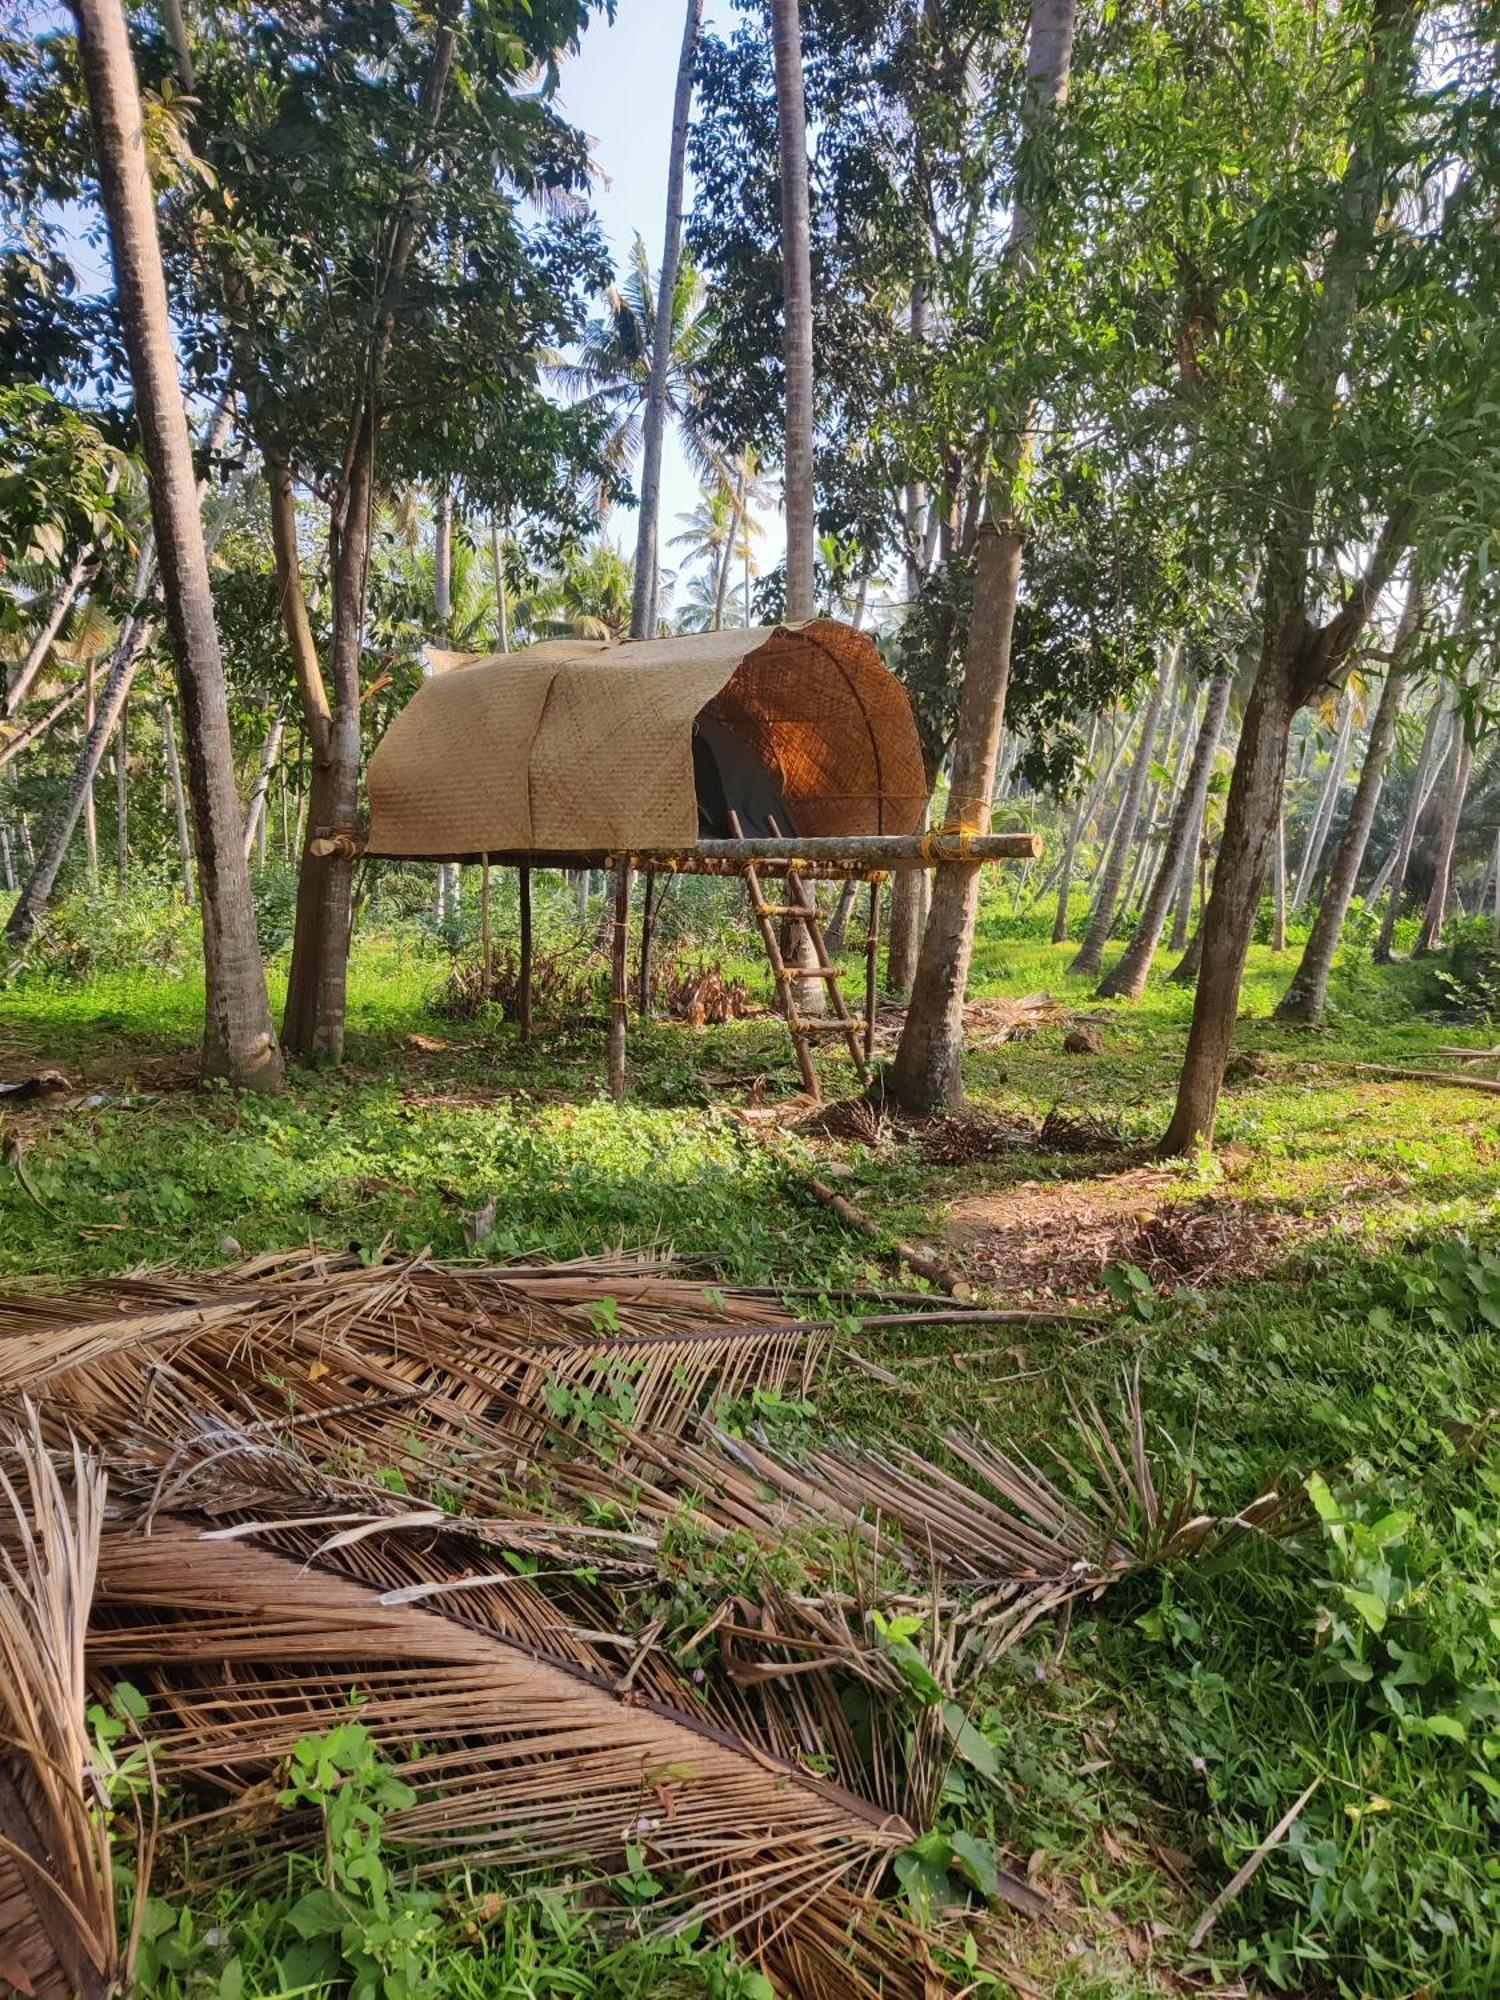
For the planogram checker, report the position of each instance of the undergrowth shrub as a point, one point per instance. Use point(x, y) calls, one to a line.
point(151, 928)
point(1468, 985)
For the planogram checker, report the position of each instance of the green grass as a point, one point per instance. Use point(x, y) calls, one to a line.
point(1144, 1759)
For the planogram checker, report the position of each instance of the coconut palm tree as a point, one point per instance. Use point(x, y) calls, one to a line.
point(587, 598)
point(611, 369)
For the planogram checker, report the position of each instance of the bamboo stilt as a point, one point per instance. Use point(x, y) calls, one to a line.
point(523, 997)
point(619, 1005)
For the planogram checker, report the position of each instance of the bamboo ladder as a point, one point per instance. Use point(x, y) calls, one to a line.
point(801, 908)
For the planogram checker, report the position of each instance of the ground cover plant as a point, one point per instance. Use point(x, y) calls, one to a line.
point(1312, 1313)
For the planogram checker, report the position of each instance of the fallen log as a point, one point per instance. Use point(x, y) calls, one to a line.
point(944, 1276)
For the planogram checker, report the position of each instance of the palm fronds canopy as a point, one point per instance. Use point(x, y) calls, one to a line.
point(580, 747)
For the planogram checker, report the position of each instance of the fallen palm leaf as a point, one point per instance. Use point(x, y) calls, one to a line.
point(57, 1923)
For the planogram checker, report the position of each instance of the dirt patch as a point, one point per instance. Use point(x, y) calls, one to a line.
point(1054, 1239)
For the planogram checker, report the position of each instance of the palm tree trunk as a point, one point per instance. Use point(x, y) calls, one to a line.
point(1333, 784)
point(1070, 845)
point(927, 1072)
point(502, 606)
point(1128, 979)
point(7, 865)
point(1090, 954)
point(179, 802)
point(654, 417)
point(442, 595)
point(61, 603)
point(1421, 792)
point(239, 1041)
point(1430, 937)
point(797, 323)
point(726, 564)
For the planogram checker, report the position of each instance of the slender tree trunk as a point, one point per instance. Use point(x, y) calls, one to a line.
point(442, 593)
point(1090, 953)
point(23, 738)
point(502, 606)
point(1128, 979)
point(797, 322)
point(7, 864)
point(122, 797)
point(179, 801)
point(928, 1070)
point(654, 417)
point(47, 866)
point(904, 936)
point(1333, 784)
point(1430, 937)
point(239, 1041)
point(1421, 792)
point(1278, 883)
point(255, 811)
point(1070, 845)
point(1307, 996)
point(1224, 934)
point(58, 607)
point(725, 565)
point(838, 923)
point(90, 817)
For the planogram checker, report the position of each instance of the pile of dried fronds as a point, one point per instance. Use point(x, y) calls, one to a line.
point(564, 984)
point(463, 1494)
point(696, 991)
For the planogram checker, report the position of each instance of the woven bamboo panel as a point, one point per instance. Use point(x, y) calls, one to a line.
point(576, 746)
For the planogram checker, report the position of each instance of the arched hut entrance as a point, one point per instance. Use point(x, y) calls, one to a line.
point(681, 754)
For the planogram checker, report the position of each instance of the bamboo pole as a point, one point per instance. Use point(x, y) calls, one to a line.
point(649, 907)
point(619, 1004)
point(872, 969)
point(523, 996)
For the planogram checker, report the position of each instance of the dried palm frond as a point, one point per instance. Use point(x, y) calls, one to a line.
point(404, 1368)
point(524, 1759)
point(57, 1923)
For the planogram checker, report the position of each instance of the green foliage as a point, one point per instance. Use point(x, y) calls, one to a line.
point(1468, 986)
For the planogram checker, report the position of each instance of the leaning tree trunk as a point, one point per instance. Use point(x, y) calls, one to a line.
point(238, 1041)
point(654, 417)
point(1090, 954)
point(1128, 979)
point(928, 1070)
point(60, 605)
point(1435, 915)
point(1328, 801)
point(1070, 844)
point(1223, 939)
point(1306, 997)
point(90, 817)
point(442, 595)
point(48, 864)
point(1421, 791)
point(255, 811)
point(502, 606)
point(797, 322)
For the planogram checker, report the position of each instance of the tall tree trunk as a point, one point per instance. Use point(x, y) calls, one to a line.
point(927, 1072)
point(238, 1041)
point(1430, 937)
point(1128, 979)
point(90, 817)
point(1090, 954)
point(1278, 883)
point(1421, 792)
point(42, 880)
point(928, 1069)
point(502, 604)
point(725, 565)
point(904, 931)
point(122, 796)
point(838, 923)
point(797, 321)
point(1223, 938)
point(179, 801)
point(7, 864)
point(654, 417)
point(58, 607)
point(442, 596)
point(1070, 844)
point(1307, 996)
point(255, 811)
point(1298, 657)
point(1333, 784)
point(23, 738)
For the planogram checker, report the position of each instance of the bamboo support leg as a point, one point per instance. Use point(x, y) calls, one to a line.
point(650, 904)
point(872, 968)
point(619, 1005)
point(523, 995)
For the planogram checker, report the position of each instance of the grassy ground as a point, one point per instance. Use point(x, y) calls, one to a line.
point(1317, 1299)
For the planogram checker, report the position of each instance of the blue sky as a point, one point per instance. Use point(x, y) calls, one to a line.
point(619, 91)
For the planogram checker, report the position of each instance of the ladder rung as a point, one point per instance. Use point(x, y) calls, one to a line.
point(821, 1027)
point(785, 910)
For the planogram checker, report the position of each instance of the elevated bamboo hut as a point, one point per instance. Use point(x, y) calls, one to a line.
point(787, 752)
